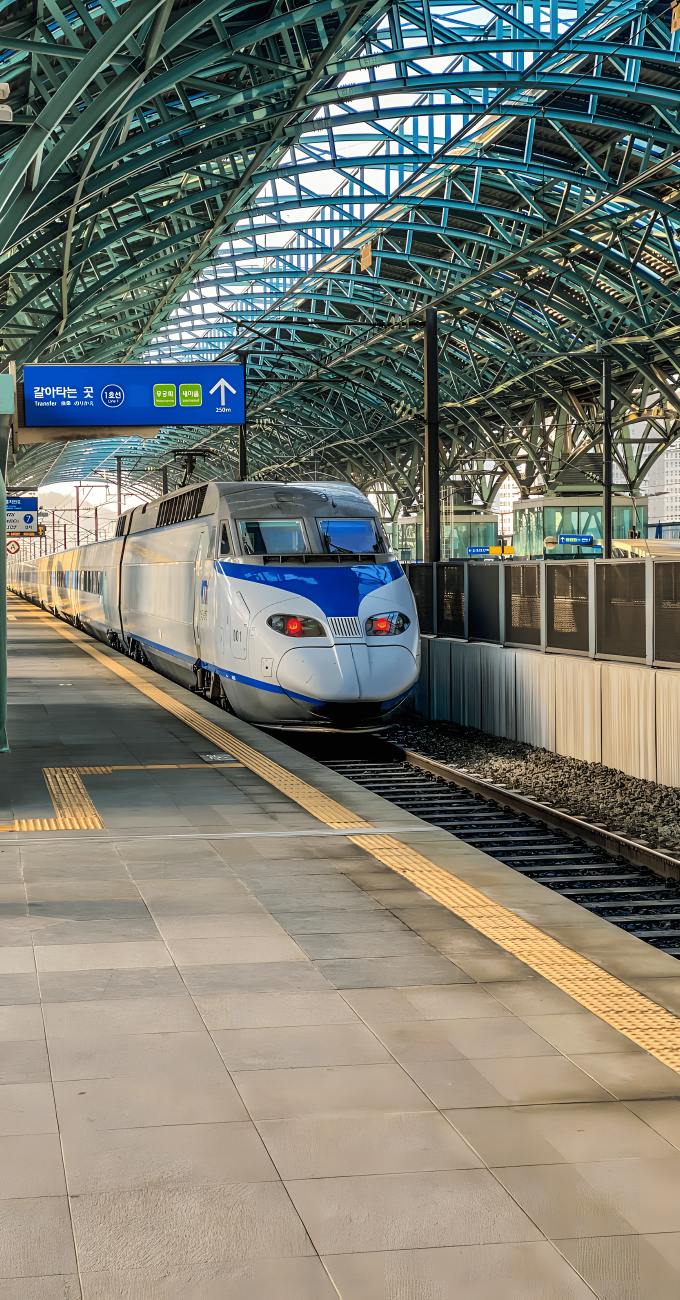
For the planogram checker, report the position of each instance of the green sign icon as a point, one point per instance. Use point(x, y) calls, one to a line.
point(190, 395)
point(164, 395)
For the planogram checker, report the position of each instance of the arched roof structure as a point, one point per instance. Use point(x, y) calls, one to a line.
point(182, 181)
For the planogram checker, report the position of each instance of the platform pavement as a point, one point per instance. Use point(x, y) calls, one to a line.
point(241, 1059)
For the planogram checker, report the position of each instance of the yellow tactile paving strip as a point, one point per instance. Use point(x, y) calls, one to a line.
point(637, 1017)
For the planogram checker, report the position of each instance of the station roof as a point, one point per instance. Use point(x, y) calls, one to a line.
point(299, 181)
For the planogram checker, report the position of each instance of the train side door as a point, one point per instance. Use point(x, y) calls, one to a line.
point(201, 580)
point(240, 618)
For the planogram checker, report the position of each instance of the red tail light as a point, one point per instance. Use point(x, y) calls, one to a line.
point(391, 624)
point(294, 627)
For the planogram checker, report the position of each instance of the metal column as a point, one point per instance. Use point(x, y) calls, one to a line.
point(119, 483)
point(431, 538)
point(607, 457)
point(242, 448)
point(165, 480)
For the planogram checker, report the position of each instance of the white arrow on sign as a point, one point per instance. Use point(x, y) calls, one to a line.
point(222, 384)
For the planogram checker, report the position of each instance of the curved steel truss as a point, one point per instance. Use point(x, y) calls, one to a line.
point(182, 180)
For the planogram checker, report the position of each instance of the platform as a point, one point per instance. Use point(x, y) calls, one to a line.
point(250, 1054)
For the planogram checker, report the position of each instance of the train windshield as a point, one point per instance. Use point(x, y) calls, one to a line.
point(351, 535)
point(271, 536)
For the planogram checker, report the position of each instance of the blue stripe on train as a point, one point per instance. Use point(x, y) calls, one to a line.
point(222, 672)
point(335, 590)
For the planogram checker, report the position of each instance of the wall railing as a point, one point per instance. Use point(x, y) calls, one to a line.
point(607, 609)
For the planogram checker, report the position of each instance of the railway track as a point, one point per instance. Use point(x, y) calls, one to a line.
point(637, 889)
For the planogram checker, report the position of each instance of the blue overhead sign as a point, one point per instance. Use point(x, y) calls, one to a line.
point(22, 515)
point(478, 550)
point(575, 539)
point(129, 395)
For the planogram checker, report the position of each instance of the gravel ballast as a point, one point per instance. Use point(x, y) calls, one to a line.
point(623, 804)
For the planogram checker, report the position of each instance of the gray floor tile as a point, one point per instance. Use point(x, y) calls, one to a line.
point(408, 1211)
point(15, 989)
point(166, 1228)
point(334, 1090)
point(376, 943)
point(138, 1102)
point(580, 1033)
point(525, 1081)
point(332, 1146)
point(533, 1135)
point(24, 1062)
point(58, 1287)
point(81, 986)
point(258, 1010)
point(290, 1047)
point(26, 1108)
point(286, 1279)
point(36, 1240)
point(333, 920)
point(31, 1165)
point(630, 1074)
point(385, 972)
point(234, 949)
point(626, 1268)
point(177, 1058)
point(129, 1016)
point(562, 1202)
point(20, 1023)
point(179, 1156)
point(256, 977)
point(527, 1270)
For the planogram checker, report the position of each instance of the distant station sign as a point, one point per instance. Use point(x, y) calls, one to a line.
point(575, 539)
point(22, 516)
point(133, 395)
point(490, 550)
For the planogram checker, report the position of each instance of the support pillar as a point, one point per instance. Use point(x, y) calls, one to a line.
point(119, 483)
point(164, 472)
point(431, 538)
point(78, 515)
point(607, 457)
point(242, 446)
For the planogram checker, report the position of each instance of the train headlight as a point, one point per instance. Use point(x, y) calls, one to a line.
point(292, 625)
point(387, 624)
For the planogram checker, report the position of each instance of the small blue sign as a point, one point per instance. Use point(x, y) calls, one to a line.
point(58, 396)
point(478, 550)
point(575, 539)
point(22, 515)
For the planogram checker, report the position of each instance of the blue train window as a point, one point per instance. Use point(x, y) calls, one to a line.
point(355, 536)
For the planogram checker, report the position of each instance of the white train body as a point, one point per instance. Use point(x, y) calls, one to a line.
point(280, 601)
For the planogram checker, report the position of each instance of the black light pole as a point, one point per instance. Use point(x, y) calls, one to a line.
point(242, 450)
point(607, 456)
point(119, 483)
point(431, 539)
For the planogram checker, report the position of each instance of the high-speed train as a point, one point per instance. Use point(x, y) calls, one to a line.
point(281, 602)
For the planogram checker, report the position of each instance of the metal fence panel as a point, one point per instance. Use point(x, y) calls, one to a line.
point(420, 578)
point(667, 612)
point(523, 604)
point(483, 600)
point(535, 698)
point(451, 600)
point(567, 601)
point(621, 628)
point(497, 685)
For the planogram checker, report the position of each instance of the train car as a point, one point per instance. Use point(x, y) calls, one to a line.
point(281, 602)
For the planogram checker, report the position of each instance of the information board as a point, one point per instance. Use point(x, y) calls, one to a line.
point(575, 539)
point(133, 395)
point(22, 516)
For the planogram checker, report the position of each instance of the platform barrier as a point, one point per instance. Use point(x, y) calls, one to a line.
point(577, 657)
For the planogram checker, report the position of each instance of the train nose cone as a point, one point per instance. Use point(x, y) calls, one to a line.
point(320, 673)
point(348, 673)
point(384, 671)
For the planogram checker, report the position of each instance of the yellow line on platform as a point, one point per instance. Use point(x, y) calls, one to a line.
point(642, 1021)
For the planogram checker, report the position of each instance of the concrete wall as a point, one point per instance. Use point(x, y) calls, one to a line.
point(623, 715)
